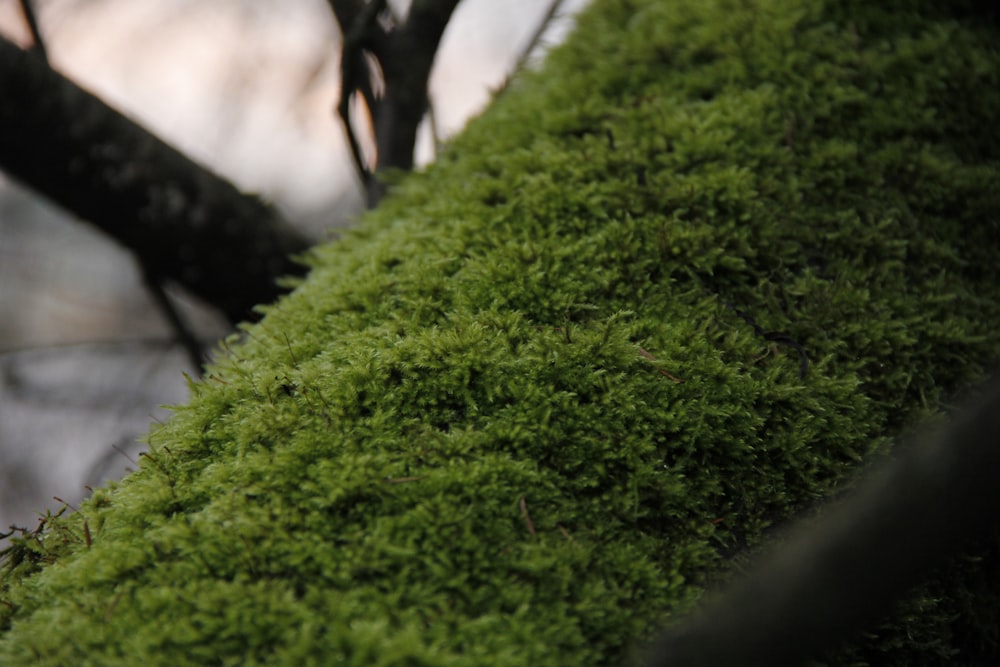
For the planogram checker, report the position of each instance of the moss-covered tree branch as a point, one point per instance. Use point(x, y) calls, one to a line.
point(516, 417)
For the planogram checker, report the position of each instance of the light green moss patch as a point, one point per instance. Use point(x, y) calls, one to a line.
point(517, 416)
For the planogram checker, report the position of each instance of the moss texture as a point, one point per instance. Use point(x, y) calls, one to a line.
point(527, 410)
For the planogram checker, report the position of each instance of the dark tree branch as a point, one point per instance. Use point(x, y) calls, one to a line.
point(345, 11)
point(28, 9)
point(360, 29)
point(831, 579)
point(183, 222)
point(407, 67)
point(405, 56)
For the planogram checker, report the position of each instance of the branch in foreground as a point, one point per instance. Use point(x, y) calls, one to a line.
point(832, 579)
point(182, 222)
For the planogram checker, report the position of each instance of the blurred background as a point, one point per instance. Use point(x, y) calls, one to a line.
point(248, 89)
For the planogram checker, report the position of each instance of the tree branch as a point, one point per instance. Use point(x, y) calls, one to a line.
point(31, 17)
point(361, 33)
point(405, 56)
point(831, 579)
point(407, 67)
point(183, 222)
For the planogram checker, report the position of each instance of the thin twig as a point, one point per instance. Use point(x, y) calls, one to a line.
point(776, 337)
point(184, 334)
point(662, 371)
point(125, 454)
point(536, 38)
point(432, 123)
point(529, 524)
point(28, 8)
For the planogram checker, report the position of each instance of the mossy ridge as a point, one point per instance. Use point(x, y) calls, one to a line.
point(542, 318)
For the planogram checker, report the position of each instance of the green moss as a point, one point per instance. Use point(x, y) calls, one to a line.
point(515, 418)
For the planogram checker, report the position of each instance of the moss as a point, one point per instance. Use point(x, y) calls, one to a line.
point(524, 412)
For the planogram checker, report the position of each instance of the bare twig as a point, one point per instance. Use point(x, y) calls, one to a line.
point(31, 16)
point(662, 371)
point(183, 332)
point(536, 37)
point(522, 60)
point(528, 523)
point(435, 132)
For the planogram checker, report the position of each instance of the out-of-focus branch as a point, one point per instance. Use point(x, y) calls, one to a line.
point(831, 579)
point(536, 37)
point(31, 17)
point(182, 332)
point(407, 68)
point(529, 48)
point(182, 222)
point(405, 56)
point(361, 31)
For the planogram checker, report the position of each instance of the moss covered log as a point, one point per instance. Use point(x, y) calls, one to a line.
point(665, 293)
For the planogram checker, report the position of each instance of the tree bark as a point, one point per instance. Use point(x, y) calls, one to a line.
point(405, 55)
point(183, 222)
point(833, 578)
